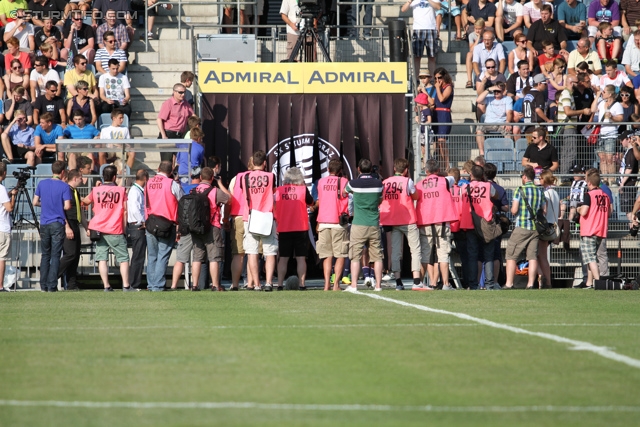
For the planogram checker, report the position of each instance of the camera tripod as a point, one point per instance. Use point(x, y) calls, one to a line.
point(309, 37)
point(19, 217)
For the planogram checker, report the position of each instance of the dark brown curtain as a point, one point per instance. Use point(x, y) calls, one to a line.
point(355, 126)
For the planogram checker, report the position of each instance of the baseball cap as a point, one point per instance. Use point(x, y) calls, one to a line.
point(422, 99)
point(626, 134)
point(577, 168)
point(539, 78)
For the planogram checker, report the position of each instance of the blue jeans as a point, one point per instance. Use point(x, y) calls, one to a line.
point(158, 253)
point(352, 18)
point(52, 237)
point(474, 246)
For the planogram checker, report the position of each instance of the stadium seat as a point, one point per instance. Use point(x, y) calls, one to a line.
point(499, 143)
point(91, 68)
point(508, 47)
point(105, 120)
point(501, 157)
point(621, 68)
point(522, 144)
point(43, 169)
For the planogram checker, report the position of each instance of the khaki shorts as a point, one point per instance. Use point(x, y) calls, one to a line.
point(209, 246)
point(442, 242)
point(117, 243)
point(333, 242)
point(522, 240)
point(183, 251)
point(5, 246)
point(237, 235)
point(362, 235)
point(252, 242)
point(413, 239)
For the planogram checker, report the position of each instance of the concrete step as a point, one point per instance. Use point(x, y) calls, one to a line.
point(143, 130)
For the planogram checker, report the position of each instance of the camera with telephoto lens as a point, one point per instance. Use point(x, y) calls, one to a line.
point(22, 175)
point(633, 232)
point(310, 9)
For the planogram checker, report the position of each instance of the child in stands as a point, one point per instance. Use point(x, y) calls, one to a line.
point(609, 46)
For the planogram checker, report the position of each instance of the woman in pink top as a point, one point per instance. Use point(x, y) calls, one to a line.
point(14, 52)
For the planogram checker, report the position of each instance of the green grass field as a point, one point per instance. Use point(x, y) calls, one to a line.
point(195, 358)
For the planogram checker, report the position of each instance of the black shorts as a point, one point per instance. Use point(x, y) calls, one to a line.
point(18, 152)
point(293, 244)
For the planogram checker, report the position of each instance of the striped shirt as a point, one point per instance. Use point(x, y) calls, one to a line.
point(120, 31)
point(367, 194)
point(103, 57)
point(566, 100)
point(536, 199)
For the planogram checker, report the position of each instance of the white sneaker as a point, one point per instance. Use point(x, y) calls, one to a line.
point(368, 282)
point(350, 289)
point(386, 277)
point(448, 288)
point(377, 289)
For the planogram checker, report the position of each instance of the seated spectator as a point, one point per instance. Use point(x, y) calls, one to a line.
point(45, 138)
point(114, 90)
point(187, 78)
point(82, 5)
point(50, 103)
point(475, 39)
point(78, 73)
point(51, 53)
point(540, 154)
point(609, 111)
point(609, 46)
point(475, 10)
point(572, 15)
point(197, 156)
point(82, 102)
point(50, 34)
point(116, 131)
point(547, 29)
point(79, 39)
point(532, 11)
point(630, 14)
point(583, 53)
point(499, 109)
point(58, 10)
point(17, 140)
point(594, 79)
point(17, 101)
point(455, 12)
point(21, 29)
point(123, 14)
point(79, 130)
point(42, 74)
point(490, 77)
point(603, 11)
point(15, 77)
point(631, 56)
point(509, 18)
point(108, 53)
point(9, 9)
point(489, 48)
point(521, 53)
point(548, 55)
point(519, 80)
point(14, 52)
point(614, 77)
point(119, 30)
point(557, 78)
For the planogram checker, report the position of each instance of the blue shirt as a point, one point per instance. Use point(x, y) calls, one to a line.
point(572, 15)
point(52, 194)
point(197, 158)
point(87, 132)
point(636, 81)
point(18, 136)
point(49, 138)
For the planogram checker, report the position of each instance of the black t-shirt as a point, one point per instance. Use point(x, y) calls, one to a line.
point(583, 100)
point(552, 31)
point(40, 36)
point(630, 162)
point(534, 99)
point(515, 83)
point(473, 9)
point(43, 105)
point(120, 6)
point(82, 37)
point(52, 8)
point(544, 158)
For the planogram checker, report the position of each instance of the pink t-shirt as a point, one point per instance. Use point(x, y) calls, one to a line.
point(108, 209)
point(24, 58)
point(175, 114)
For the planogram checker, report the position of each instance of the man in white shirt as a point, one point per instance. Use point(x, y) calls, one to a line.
point(488, 49)
point(23, 30)
point(135, 228)
point(509, 17)
point(425, 31)
point(614, 77)
point(631, 56)
point(40, 75)
point(7, 201)
point(584, 53)
point(116, 131)
point(290, 12)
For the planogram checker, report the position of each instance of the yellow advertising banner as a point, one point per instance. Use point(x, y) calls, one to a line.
point(303, 77)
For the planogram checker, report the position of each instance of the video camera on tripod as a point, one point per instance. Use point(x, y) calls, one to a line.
point(308, 38)
point(23, 175)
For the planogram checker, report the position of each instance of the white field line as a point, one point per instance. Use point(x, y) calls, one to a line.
point(314, 407)
point(576, 345)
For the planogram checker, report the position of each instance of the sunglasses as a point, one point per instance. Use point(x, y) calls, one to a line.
point(625, 95)
point(77, 19)
point(109, 41)
point(490, 67)
point(181, 92)
point(16, 68)
point(82, 63)
point(83, 88)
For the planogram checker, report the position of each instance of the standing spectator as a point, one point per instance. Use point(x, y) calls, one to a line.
point(17, 140)
point(163, 194)
point(78, 73)
point(500, 204)
point(534, 103)
point(572, 15)
point(518, 81)
point(547, 29)
point(173, 116)
point(631, 56)
point(333, 237)
point(568, 113)
point(7, 202)
point(135, 228)
point(365, 228)
point(630, 14)
point(524, 238)
point(548, 181)
point(603, 11)
point(68, 269)
point(594, 225)
point(291, 15)
point(521, 53)
point(187, 78)
point(609, 46)
point(583, 53)
point(353, 21)
point(114, 89)
point(110, 51)
point(49, 34)
point(475, 38)
point(609, 111)
point(629, 103)
point(82, 102)
point(197, 157)
point(118, 29)
point(110, 223)
point(489, 49)
point(292, 219)
point(397, 211)
point(21, 29)
point(45, 137)
point(540, 154)
point(48, 102)
point(14, 52)
point(499, 109)
point(443, 102)
point(79, 40)
point(16, 78)
point(210, 246)
point(53, 195)
point(40, 76)
point(425, 33)
point(58, 10)
point(509, 19)
point(17, 101)
point(628, 168)
point(477, 9)
point(583, 96)
point(532, 11)
point(252, 185)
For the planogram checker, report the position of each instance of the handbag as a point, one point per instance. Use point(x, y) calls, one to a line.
point(260, 223)
point(95, 235)
point(545, 230)
point(594, 136)
point(486, 230)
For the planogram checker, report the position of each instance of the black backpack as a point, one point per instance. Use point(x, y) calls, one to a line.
point(194, 212)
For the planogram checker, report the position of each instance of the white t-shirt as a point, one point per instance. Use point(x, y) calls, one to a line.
point(631, 56)
point(424, 16)
point(114, 86)
point(615, 110)
point(5, 218)
point(23, 35)
point(292, 10)
point(41, 81)
point(621, 79)
point(112, 132)
point(511, 12)
point(595, 80)
point(553, 205)
point(533, 13)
